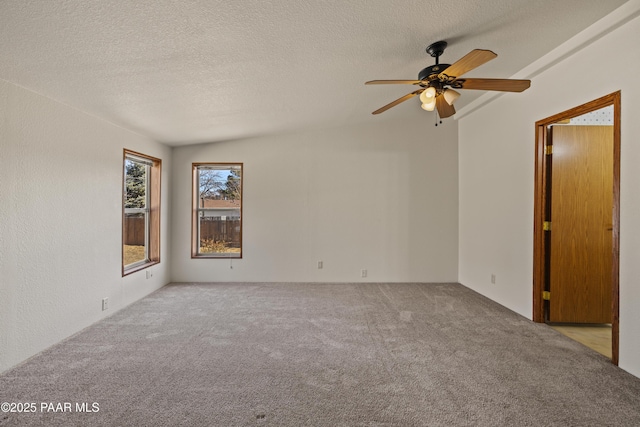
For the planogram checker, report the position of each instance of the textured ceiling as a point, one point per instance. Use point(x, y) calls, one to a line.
point(190, 71)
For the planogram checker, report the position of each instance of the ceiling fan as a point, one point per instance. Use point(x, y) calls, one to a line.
point(437, 82)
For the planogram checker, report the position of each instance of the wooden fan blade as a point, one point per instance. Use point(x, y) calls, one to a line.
point(394, 82)
point(471, 60)
point(398, 101)
point(503, 85)
point(445, 110)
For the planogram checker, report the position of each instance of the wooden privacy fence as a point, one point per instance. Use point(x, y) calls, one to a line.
point(221, 230)
point(218, 230)
point(134, 230)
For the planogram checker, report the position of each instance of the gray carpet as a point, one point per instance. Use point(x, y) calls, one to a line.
point(273, 354)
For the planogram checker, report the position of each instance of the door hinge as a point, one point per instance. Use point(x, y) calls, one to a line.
point(548, 149)
point(546, 295)
point(546, 226)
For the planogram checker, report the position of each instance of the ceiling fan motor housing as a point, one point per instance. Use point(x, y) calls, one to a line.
point(431, 73)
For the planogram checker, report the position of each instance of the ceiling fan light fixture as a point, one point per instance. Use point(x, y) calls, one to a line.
point(430, 105)
point(435, 82)
point(450, 96)
point(428, 95)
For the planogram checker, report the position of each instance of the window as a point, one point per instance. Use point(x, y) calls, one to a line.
point(217, 210)
point(141, 212)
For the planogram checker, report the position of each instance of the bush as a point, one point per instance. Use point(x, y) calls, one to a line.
point(209, 246)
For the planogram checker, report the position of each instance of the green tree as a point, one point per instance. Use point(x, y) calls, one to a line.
point(135, 185)
point(233, 187)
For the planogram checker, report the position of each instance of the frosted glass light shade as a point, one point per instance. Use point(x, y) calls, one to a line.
point(450, 96)
point(429, 106)
point(427, 95)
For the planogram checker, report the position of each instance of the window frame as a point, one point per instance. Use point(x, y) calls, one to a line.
point(196, 209)
point(153, 169)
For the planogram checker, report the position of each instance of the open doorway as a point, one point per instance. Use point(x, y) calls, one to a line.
point(576, 217)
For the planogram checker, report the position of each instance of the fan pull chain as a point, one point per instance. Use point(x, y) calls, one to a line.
point(437, 118)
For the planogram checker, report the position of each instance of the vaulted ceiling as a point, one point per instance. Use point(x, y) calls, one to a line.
point(192, 71)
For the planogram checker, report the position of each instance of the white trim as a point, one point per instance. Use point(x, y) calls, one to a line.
point(139, 159)
point(148, 164)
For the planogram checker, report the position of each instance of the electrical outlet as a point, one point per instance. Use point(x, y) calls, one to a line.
point(105, 304)
point(363, 272)
point(493, 279)
point(149, 274)
point(319, 265)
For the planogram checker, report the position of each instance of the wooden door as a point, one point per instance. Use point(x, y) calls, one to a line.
point(581, 253)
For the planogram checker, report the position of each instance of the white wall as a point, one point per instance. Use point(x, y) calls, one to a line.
point(379, 196)
point(60, 222)
point(496, 162)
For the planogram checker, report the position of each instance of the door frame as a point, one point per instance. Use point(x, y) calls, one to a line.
point(540, 207)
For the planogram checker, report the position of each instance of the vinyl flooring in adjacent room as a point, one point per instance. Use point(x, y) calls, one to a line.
point(596, 337)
